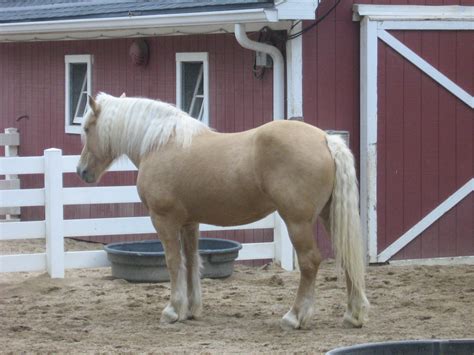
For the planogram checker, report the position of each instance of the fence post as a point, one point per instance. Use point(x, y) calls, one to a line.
point(53, 189)
point(283, 246)
point(11, 141)
point(11, 150)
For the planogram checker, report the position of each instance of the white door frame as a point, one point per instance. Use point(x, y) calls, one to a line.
point(375, 20)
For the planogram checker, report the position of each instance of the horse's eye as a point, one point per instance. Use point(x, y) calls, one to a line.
point(86, 129)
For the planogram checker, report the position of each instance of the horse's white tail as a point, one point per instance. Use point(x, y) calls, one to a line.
point(344, 223)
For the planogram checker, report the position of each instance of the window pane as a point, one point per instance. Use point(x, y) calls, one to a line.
point(191, 86)
point(78, 88)
point(201, 87)
point(197, 108)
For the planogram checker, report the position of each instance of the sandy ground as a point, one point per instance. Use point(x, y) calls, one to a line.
point(90, 312)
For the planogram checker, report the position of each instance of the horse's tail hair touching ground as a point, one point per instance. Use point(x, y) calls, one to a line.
point(345, 227)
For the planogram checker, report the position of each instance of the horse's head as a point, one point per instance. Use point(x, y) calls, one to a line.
point(95, 157)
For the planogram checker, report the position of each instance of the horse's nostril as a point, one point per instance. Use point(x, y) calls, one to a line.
point(82, 172)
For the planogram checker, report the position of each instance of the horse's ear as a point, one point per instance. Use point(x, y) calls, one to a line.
point(93, 105)
point(123, 95)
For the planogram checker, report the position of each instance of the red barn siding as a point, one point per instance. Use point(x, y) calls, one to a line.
point(331, 80)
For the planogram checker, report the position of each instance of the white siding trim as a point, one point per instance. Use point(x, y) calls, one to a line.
point(426, 25)
point(427, 221)
point(413, 12)
point(70, 59)
point(193, 57)
point(426, 67)
point(294, 74)
point(454, 260)
point(368, 135)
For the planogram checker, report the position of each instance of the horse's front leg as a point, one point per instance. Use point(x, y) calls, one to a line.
point(190, 240)
point(177, 308)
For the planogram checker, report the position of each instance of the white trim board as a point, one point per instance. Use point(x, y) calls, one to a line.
point(375, 20)
point(294, 74)
point(454, 260)
point(412, 12)
point(368, 135)
point(427, 25)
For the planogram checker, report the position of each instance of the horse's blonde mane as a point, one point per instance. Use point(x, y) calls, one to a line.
point(138, 126)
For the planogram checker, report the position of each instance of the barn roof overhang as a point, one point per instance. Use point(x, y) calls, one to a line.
point(211, 19)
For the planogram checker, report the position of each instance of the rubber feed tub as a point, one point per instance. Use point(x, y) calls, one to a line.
point(144, 261)
point(411, 347)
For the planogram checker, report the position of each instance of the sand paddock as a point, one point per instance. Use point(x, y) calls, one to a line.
point(89, 311)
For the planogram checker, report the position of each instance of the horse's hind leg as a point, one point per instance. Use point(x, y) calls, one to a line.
point(309, 258)
point(357, 303)
point(170, 237)
point(357, 306)
point(190, 240)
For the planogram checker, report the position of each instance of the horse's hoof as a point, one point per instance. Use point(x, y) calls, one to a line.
point(195, 312)
point(169, 315)
point(351, 322)
point(289, 321)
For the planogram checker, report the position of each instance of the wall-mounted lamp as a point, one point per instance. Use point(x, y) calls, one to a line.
point(138, 52)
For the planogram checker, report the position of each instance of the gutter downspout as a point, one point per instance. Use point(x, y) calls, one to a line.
point(278, 68)
point(284, 252)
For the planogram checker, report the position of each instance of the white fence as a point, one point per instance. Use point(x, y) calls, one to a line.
point(54, 228)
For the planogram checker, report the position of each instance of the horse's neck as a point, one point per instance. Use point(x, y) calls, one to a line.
point(123, 141)
point(138, 139)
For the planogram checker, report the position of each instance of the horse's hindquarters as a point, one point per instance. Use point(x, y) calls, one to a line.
point(295, 168)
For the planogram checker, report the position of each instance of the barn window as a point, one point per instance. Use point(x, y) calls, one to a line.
point(192, 84)
point(78, 86)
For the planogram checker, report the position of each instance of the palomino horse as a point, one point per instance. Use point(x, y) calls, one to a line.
point(189, 174)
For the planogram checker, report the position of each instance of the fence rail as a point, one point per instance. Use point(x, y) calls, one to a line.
point(54, 196)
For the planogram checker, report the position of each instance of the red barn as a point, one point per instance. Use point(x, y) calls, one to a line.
point(398, 76)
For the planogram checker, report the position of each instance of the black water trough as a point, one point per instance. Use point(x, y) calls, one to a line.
point(144, 261)
point(410, 347)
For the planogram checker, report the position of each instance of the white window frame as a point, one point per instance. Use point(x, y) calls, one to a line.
point(193, 57)
point(71, 59)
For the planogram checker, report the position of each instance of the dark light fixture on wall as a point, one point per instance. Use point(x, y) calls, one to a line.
point(139, 52)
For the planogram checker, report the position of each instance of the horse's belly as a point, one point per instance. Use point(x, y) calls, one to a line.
point(230, 211)
point(232, 218)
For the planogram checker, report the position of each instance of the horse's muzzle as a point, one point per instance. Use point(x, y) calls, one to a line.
point(84, 175)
